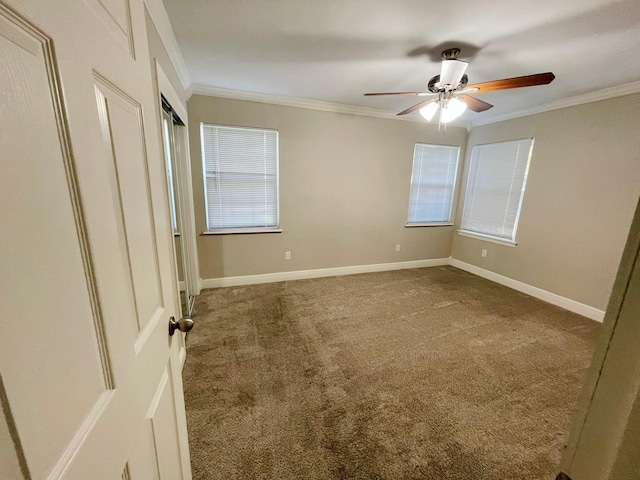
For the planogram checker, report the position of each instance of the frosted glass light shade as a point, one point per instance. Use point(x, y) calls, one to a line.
point(454, 109)
point(429, 110)
point(452, 72)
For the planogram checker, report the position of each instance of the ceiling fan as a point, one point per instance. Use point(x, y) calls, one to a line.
point(449, 91)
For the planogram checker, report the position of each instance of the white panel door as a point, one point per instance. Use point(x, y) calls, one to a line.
point(90, 380)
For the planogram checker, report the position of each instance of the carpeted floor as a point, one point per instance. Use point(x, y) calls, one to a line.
point(430, 373)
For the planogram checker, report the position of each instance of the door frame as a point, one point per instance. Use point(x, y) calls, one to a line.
point(159, 17)
point(611, 388)
point(187, 224)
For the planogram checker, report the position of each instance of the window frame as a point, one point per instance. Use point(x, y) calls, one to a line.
point(485, 236)
point(239, 230)
point(448, 222)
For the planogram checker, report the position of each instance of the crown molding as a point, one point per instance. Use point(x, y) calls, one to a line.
point(160, 19)
point(595, 96)
point(313, 105)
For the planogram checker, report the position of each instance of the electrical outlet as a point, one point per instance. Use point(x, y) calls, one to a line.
point(397, 248)
point(287, 255)
point(484, 252)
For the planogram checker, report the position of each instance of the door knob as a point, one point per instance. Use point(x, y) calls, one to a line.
point(184, 325)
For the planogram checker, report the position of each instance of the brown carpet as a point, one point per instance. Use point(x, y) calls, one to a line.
point(430, 373)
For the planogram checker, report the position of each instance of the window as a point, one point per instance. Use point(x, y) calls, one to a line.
point(432, 184)
point(497, 179)
point(241, 178)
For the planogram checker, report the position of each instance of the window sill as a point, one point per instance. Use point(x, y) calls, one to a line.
point(434, 224)
point(487, 238)
point(239, 231)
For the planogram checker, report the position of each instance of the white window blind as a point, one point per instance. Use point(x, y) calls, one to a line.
point(241, 177)
point(497, 179)
point(433, 182)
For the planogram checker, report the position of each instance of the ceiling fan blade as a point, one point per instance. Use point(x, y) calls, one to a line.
point(415, 107)
point(475, 104)
point(515, 82)
point(421, 94)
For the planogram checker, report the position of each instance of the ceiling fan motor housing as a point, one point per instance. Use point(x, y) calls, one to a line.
point(432, 87)
point(450, 54)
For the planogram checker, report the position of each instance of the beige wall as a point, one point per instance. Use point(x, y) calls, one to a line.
point(581, 192)
point(344, 190)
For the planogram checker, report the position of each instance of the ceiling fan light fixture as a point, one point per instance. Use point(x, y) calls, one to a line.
point(429, 110)
point(452, 110)
point(451, 89)
point(451, 73)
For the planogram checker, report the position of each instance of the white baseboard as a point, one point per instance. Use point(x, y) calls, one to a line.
point(555, 299)
point(181, 286)
point(318, 273)
point(563, 302)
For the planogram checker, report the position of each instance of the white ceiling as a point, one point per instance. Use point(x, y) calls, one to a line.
point(336, 50)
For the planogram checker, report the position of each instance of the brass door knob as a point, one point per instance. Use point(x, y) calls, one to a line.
point(184, 325)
